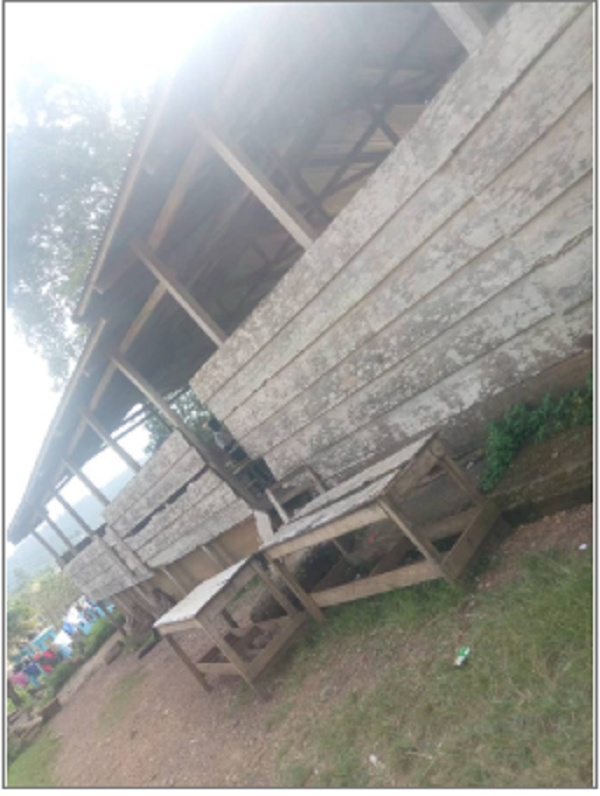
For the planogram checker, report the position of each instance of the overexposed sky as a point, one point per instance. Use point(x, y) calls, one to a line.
point(115, 47)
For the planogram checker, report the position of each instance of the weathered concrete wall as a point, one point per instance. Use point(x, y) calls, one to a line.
point(460, 271)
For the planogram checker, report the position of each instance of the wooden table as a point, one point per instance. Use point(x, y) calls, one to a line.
point(374, 495)
point(233, 651)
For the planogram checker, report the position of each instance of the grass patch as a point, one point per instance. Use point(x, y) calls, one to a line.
point(120, 701)
point(101, 630)
point(34, 767)
point(524, 423)
point(519, 714)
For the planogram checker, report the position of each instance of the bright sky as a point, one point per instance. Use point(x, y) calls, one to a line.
point(114, 47)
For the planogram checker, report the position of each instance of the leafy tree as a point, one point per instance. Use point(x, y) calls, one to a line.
point(20, 622)
point(66, 149)
point(196, 414)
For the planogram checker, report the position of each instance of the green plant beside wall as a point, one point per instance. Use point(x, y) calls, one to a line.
point(524, 423)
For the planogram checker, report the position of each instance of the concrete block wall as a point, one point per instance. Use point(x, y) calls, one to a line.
point(462, 269)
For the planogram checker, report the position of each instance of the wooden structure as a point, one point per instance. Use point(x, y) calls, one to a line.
point(376, 494)
point(335, 259)
point(233, 651)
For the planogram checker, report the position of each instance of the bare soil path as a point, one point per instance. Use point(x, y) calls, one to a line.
point(146, 723)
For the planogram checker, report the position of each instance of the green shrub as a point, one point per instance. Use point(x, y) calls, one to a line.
point(59, 676)
point(524, 423)
point(102, 630)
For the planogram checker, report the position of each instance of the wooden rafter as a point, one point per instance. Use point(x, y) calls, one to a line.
point(465, 22)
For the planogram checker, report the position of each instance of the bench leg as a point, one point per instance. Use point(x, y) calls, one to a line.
point(230, 654)
point(189, 663)
point(304, 597)
point(421, 542)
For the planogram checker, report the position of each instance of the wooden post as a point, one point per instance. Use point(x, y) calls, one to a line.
point(75, 514)
point(304, 597)
point(85, 480)
point(179, 586)
point(229, 653)
point(188, 663)
point(95, 424)
point(258, 183)
point(48, 547)
point(465, 22)
point(175, 421)
point(63, 537)
point(180, 293)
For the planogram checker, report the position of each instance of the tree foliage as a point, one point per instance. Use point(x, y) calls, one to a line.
point(194, 413)
point(66, 149)
point(38, 603)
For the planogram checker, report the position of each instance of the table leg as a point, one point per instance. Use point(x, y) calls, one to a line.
point(230, 654)
point(304, 597)
point(421, 542)
point(189, 663)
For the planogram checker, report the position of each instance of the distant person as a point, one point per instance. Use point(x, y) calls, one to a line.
point(33, 672)
point(19, 678)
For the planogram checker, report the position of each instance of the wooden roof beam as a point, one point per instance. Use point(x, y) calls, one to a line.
point(465, 22)
point(167, 278)
point(63, 537)
point(95, 424)
point(264, 190)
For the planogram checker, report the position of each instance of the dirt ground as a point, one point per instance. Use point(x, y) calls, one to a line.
point(146, 723)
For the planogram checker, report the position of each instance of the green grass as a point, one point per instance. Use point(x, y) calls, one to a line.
point(120, 701)
point(34, 767)
point(517, 715)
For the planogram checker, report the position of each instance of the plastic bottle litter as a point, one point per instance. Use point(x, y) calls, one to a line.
point(583, 547)
point(462, 656)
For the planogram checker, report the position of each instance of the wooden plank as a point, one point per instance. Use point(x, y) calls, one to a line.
point(95, 424)
point(230, 653)
point(175, 421)
point(304, 597)
point(388, 581)
point(179, 292)
point(48, 547)
point(188, 663)
point(63, 537)
point(275, 592)
point(86, 481)
point(465, 22)
point(75, 514)
point(509, 53)
point(421, 542)
point(217, 668)
point(456, 560)
point(276, 646)
point(458, 475)
point(261, 187)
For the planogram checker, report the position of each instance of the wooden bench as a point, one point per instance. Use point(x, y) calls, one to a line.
point(370, 497)
point(233, 651)
point(374, 495)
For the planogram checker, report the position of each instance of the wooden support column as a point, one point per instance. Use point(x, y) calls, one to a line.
point(95, 424)
point(175, 421)
point(48, 547)
point(183, 592)
point(167, 278)
point(465, 21)
point(75, 514)
point(63, 537)
point(188, 663)
point(258, 183)
point(85, 480)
